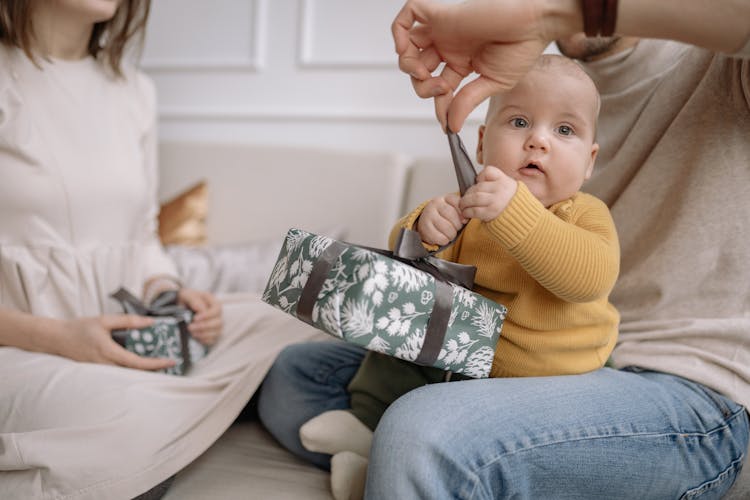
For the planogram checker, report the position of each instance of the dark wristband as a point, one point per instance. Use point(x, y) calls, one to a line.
point(609, 18)
point(599, 17)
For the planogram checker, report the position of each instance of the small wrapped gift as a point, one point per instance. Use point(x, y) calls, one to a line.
point(167, 337)
point(404, 303)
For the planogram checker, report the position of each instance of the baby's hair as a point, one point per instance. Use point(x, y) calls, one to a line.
point(109, 39)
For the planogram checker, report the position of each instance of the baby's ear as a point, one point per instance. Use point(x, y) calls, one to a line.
point(480, 146)
point(590, 168)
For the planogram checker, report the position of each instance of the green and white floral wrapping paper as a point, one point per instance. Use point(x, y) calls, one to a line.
point(168, 336)
point(384, 305)
point(163, 339)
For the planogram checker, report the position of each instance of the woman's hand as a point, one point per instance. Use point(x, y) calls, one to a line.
point(498, 39)
point(440, 220)
point(487, 199)
point(90, 340)
point(207, 321)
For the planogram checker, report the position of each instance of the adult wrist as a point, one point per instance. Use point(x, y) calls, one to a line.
point(48, 335)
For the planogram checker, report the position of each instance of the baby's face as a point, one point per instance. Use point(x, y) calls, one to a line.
point(542, 133)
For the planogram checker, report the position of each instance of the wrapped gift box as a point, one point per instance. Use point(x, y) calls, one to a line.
point(167, 337)
point(385, 303)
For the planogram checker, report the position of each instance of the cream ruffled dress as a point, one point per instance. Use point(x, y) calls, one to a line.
point(77, 220)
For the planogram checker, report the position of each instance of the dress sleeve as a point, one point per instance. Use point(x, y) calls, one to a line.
point(156, 262)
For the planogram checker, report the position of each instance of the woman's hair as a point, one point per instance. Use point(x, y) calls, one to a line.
point(108, 41)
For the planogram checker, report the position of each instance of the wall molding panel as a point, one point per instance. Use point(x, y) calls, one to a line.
point(327, 43)
point(287, 72)
point(174, 54)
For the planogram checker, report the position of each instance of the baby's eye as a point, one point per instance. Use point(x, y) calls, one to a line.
point(565, 130)
point(519, 122)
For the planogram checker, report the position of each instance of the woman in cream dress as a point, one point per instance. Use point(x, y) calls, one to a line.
point(80, 417)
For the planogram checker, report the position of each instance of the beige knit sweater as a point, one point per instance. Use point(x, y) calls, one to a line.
point(674, 168)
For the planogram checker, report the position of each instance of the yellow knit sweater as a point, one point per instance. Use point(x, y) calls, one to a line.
point(553, 269)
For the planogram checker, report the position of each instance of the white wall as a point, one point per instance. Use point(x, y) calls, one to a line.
point(290, 72)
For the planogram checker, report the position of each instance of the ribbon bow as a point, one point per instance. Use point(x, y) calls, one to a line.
point(165, 304)
point(409, 248)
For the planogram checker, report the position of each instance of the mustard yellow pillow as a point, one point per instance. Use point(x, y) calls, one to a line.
point(182, 220)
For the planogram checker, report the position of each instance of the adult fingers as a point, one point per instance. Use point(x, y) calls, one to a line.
point(431, 87)
point(206, 325)
point(430, 58)
point(124, 321)
point(212, 309)
point(444, 102)
point(408, 52)
point(116, 354)
point(466, 100)
point(195, 300)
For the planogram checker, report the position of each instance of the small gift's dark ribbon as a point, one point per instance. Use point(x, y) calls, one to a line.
point(165, 304)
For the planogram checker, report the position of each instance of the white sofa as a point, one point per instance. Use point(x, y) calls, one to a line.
point(256, 193)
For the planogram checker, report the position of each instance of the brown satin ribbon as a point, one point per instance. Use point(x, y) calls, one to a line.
point(437, 325)
point(315, 281)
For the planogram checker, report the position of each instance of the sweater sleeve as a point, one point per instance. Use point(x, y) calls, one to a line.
point(571, 250)
point(156, 261)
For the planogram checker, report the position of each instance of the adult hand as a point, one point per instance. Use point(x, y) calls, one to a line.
point(90, 340)
point(440, 220)
point(487, 199)
point(207, 321)
point(498, 39)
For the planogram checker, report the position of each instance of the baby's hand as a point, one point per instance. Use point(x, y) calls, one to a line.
point(487, 199)
point(440, 220)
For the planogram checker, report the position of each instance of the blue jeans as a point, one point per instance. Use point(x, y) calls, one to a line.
point(611, 434)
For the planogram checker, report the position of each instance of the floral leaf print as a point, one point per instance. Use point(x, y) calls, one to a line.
point(455, 350)
point(279, 272)
point(407, 278)
point(479, 363)
point(357, 318)
point(486, 320)
point(362, 255)
point(378, 344)
point(411, 347)
point(376, 281)
point(398, 322)
point(465, 297)
point(318, 245)
point(327, 314)
point(294, 239)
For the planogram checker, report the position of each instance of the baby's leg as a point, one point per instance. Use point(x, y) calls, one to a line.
point(348, 476)
point(336, 431)
point(342, 435)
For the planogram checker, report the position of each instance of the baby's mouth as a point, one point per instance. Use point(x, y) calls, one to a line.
point(532, 169)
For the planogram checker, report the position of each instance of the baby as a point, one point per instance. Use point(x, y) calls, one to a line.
point(542, 248)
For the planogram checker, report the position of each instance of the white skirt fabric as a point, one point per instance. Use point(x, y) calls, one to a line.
point(71, 430)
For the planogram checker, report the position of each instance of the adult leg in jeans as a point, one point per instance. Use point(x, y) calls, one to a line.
point(306, 380)
point(615, 434)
